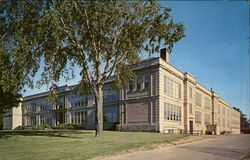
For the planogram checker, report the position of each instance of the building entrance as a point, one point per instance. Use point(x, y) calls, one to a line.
point(191, 130)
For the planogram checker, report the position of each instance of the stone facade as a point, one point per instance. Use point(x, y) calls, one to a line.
point(160, 99)
point(12, 118)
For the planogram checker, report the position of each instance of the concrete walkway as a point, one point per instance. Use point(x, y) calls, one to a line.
point(222, 147)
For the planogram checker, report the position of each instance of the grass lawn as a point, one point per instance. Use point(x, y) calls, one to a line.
point(247, 157)
point(78, 144)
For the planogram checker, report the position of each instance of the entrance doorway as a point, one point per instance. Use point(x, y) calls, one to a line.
point(191, 130)
point(60, 118)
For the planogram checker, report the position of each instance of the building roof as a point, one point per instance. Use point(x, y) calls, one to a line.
point(70, 88)
point(152, 61)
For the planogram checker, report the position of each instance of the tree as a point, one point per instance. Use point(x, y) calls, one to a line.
point(17, 67)
point(242, 115)
point(102, 38)
point(9, 92)
point(1, 121)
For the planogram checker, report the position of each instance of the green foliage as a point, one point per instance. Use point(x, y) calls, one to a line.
point(10, 82)
point(37, 128)
point(139, 128)
point(58, 127)
point(20, 128)
point(101, 38)
point(1, 121)
point(18, 64)
point(242, 115)
point(129, 128)
point(54, 95)
point(41, 127)
point(68, 127)
point(89, 34)
point(46, 126)
point(118, 128)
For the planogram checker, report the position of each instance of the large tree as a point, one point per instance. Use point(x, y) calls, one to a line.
point(17, 66)
point(1, 121)
point(242, 115)
point(102, 38)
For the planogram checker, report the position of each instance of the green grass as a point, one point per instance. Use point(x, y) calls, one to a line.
point(247, 157)
point(23, 145)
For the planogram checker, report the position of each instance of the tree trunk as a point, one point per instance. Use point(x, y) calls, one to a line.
point(99, 111)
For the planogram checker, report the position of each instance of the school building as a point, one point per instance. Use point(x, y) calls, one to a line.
point(160, 99)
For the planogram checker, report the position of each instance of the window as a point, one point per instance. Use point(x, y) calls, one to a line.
point(42, 120)
point(131, 85)
point(33, 107)
point(219, 122)
point(215, 106)
point(110, 115)
point(139, 83)
point(146, 81)
point(72, 118)
point(190, 92)
point(27, 108)
point(42, 107)
point(197, 99)
point(197, 117)
point(48, 120)
point(80, 101)
point(218, 108)
point(207, 119)
point(172, 112)
point(207, 103)
point(172, 88)
point(223, 122)
point(190, 109)
point(85, 101)
point(79, 117)
point(223, 110)
point(33, 121)
point(28, 121)
point(109, 95)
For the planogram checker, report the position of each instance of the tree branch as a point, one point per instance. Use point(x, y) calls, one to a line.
point(76, 45)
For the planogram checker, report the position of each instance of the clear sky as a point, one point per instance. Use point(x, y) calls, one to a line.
point(215, 49)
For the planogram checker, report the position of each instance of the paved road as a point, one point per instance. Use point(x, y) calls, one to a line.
point(222, 147)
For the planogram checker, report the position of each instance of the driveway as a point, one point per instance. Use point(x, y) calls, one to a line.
point(221, 147)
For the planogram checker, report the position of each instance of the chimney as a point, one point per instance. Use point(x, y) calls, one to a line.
point(165, 54)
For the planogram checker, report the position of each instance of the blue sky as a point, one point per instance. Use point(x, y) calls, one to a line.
point(215, 49)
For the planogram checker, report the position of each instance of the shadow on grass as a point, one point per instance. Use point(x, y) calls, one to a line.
point(51, 133)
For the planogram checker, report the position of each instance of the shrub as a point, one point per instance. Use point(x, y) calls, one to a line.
point(20, 128)
point(139, 128)
point(60, 126)
point(77, 126)
point(41, 127)
point(37, 128)
point(129, 128)
point(46, 126)
point(124, 129)
point(118, 128)
point(68, 126)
